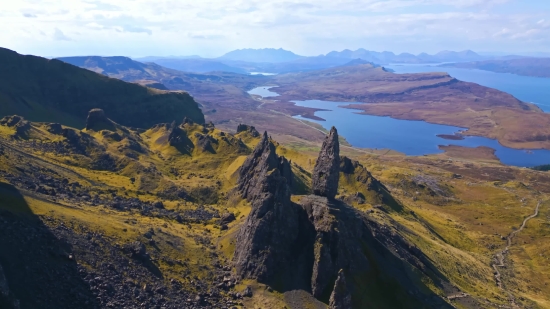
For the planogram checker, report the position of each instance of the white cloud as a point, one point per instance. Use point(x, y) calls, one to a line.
point(58, 35)
point(212, 27)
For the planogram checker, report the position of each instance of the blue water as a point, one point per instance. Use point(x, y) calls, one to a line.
point(263, 92)
point(535, 90)
point(406, 136)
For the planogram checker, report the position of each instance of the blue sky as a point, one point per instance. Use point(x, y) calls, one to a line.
point(308, 27)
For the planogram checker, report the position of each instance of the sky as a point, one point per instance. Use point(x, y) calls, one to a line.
point(210, 28)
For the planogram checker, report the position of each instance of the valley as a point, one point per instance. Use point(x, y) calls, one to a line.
point(432, 97)
point(203, 196)
point(167, 191)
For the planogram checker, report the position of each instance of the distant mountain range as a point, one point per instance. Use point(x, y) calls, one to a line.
point(271, 60)
point(199, 65)
point(111, 65)
point(389, 57)
point(279, 61)
point(270, 55)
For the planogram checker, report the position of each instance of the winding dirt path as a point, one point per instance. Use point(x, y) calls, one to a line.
point(499, 257)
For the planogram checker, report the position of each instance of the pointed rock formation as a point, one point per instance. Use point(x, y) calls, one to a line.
point(305, 247)
point(178, 138)
point(340, 297)
point(327, 168)
point(205, 142)
point(265, 241)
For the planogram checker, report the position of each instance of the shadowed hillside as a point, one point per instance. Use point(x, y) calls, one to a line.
point(51, 90)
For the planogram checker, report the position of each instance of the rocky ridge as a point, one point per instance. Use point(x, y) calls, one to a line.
point(264, 243)
point(310, 245)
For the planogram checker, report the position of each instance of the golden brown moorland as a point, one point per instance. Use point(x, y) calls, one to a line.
point(457, 211)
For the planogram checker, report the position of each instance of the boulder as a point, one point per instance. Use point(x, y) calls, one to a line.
point(137, 251)
point(327, 168)
point(227, 218)
point(97, 120)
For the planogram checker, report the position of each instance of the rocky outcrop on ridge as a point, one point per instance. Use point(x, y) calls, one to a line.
point(340, 297)
point(250, 129)
point(97, 120)
point(21, 125)
point(327, 168)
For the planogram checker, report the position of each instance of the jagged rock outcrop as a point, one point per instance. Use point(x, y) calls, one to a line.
point(257, 167)
point(178, 138)
point(21, 125)
point(310, 245)
point(97, 120)
point(265, 242)
point(205, 142)
point(340, 297)
point(246, 128)
point(327, 168)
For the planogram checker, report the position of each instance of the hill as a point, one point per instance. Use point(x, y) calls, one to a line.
point(537, 67)
point(198, 65)
point(117, 64)
point(261, 55)
point(199, 217)
point(51, 90)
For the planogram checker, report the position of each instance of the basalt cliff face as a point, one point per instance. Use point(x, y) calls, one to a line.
point(265, 243)
point(322, 245)
point(326, 172)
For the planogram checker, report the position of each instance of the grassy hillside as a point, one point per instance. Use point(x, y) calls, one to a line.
point(53, 91)
point(101, 190)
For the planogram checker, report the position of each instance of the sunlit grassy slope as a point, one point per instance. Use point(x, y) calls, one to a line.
point(457, 212)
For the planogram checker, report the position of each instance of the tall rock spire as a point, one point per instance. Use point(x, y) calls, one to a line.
point(327, 169)
point(340, 297)
point(265, 241)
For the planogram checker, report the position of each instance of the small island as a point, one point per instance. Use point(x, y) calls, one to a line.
point(452, 137)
